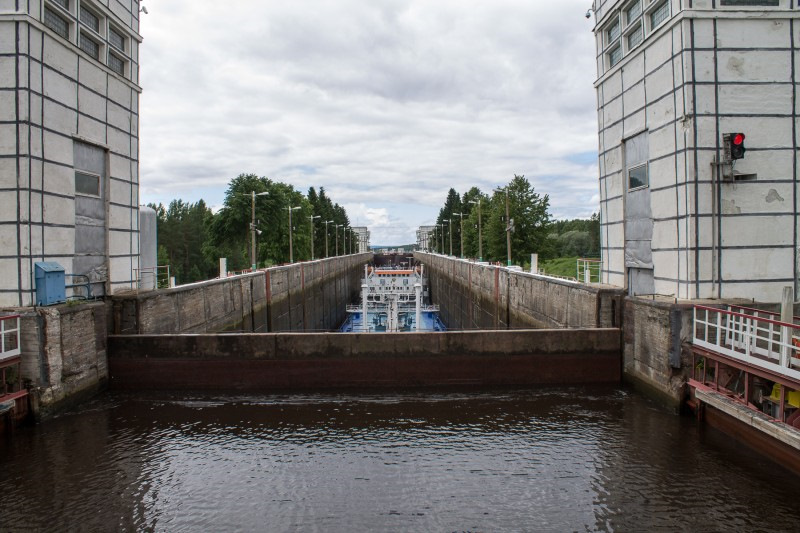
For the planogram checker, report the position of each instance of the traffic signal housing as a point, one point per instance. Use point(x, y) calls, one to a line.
point(734, 145)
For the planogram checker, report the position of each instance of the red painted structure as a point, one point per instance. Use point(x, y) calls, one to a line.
point(11, 389)
point(747, 357)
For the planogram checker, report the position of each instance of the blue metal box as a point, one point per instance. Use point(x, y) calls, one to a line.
point(50, 284)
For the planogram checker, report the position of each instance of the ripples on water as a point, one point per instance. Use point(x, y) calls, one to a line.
point(545, 460)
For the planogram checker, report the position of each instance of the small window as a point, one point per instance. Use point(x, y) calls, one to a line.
point(62, 3)
point(635, 37)
point(87, 184)
point(116, 64)
point(116, 39)
point(89, 46)
point(750, 2)
point(56, 23)
point(89, 19)
point(612, 33)
point(632, 12)
point(637, 177)
point(659, 14)
point(614, 55)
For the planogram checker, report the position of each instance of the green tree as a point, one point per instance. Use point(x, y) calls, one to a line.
point(531, 217)
point(183, 230)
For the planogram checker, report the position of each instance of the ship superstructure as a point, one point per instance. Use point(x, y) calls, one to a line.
point(393, 299)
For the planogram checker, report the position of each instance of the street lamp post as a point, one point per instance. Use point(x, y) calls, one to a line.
point(461, 232)
point(291, 255)
point(441, 237)
point(508, 225)
point(336, 231)
point(311, 218)
point(450, 233)
point(326, 236)
point(480, 239)
point(253, 259)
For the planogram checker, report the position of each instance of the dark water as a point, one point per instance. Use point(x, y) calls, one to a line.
point(502, 460)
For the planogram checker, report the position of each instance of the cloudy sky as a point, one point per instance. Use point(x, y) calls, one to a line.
point(386, 104)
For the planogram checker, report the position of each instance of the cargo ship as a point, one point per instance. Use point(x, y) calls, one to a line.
point(393, 299)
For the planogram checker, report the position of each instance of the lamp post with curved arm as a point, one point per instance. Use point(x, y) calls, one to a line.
point(461, 233)
point(326, 236)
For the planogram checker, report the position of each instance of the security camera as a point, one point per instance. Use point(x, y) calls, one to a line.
point(588, 13)
point(144, 10)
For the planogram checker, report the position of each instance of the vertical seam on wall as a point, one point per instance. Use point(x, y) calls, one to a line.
point(794, 153)
point(18, 169)
point(715, 173)
point(696, 162)
point(675, 139)
point(685, 166)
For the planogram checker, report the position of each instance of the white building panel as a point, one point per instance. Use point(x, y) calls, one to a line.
point(60, 241)
point(59, 57)
point(60, 118)
point(120, 167)
point(91, 104)
point(659, 82)
point(58, 148)
point(119, 117)
point(752, 197)
point(754, 65)
point(119, 142)
point(58, 210)
point(8, 139)
point(91, 129)
point(658, 52)
point(8, 279)
point(633, 72)
point(7, 72)
point(763, 264)
point(753, 99)
point(60, 88)
point(634, 123)
point(633, 98)
point(753, 33)
point(119, 242)
point(661, 113)
point(93, 77)
point(757, 231)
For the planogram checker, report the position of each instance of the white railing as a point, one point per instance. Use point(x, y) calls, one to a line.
point(9, 337)
point(588, 270)
point(750, 336)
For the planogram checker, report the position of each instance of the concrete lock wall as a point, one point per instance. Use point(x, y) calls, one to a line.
point(474, 296)
point(64, 352)
point(296, 360)
point(298, 297)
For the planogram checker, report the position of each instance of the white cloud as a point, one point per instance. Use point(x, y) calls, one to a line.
point(382, 103)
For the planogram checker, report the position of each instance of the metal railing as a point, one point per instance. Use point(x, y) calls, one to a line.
point(148, 277)
point(9, 337)
point(750, 336)
point(588, 270)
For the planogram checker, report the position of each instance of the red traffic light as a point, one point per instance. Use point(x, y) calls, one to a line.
point(738, 139)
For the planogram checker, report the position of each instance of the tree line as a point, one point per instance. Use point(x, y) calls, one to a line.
point(191, 238)
point(515, 207)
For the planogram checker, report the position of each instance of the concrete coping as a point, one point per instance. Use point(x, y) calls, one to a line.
point(757, 420)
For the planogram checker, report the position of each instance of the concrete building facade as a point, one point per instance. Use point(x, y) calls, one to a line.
point(69, 134)
point(424, 236)
point(362, 239)
point(678, 217)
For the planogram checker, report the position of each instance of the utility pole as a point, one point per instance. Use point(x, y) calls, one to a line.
point(450, 232)
point(336, 231)
point(312, 217)
point(461, 233)
point(326, 236)
point(253, 229)
point(480, 239)
point(291, 256)
point(509, 225)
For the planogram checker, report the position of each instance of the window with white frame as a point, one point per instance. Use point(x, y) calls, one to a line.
point(95, 34)
point(629, 26)
point(56, 22)
point(637, 177)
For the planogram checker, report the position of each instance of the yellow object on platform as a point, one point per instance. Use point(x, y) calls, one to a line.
point(792, 396)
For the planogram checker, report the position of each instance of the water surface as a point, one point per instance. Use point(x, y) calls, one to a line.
point(582, 459)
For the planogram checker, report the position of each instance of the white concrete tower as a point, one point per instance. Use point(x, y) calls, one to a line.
point(69, 142)
point(675, 76)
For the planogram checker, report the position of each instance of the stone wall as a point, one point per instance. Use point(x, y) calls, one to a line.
point(474, 296)
point(64, 351)
point(280, 361)
point(656, 355)
point(299, 297)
